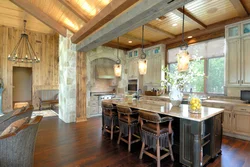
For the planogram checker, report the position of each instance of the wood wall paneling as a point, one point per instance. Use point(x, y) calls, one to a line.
point(44, 74)
point(81, 79)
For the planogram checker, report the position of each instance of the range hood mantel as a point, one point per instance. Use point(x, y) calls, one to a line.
point(104, 72)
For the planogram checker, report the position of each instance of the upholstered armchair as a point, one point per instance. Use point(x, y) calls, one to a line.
point(17, 148)
point(12, 116)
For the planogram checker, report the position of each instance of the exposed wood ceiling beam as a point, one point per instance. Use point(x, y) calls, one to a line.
point(75, 10)
point(239, 8)
point(189, 18)
point(142, 12)
point(158, 30)
point(40, 15)
point(113, 9)
point(128, 36)
point(196, 33)
point(115, 45)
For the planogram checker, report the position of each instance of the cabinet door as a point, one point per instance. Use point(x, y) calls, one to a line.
point(233, 62)
point(217, 135)
point(233, 31)
point(227, 121)
point(245, 61)
point(241, 123)
point(246, 28)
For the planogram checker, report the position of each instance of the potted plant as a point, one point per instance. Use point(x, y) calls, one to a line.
point(179, 80)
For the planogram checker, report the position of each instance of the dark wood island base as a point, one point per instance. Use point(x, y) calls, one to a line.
point(197, 137)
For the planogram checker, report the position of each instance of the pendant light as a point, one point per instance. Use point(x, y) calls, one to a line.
point(118, 66)
point(142, 62)
point(23, 51)
point(183, 55)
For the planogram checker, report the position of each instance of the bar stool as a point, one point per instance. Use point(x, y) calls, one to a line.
point(128, 124)
point(110, 118)
point(155, 132)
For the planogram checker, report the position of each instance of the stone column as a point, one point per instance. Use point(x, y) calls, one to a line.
point(67, 79)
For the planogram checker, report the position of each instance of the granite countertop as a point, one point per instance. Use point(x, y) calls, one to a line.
point(101, 93)
point(166, 108)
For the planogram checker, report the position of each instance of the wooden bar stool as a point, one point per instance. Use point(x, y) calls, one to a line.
point(128, 124)
point(110, 118)
point(155, 132)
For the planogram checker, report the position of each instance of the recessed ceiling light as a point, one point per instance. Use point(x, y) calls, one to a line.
point(190, 36)
point(130, 41)
point(175, 24)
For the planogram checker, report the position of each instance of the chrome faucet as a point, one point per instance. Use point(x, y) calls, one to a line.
point(139, 91)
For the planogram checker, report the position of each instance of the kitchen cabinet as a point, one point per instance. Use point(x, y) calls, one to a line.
point(156, 63)
point(241, 123)
point(133, 71)
point(227, 121)
point(216, 133)
point(237, 54)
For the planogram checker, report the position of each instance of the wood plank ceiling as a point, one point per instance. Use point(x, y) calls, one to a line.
point(75, 15)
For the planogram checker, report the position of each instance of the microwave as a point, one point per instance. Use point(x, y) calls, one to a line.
point(132, 85)
point(245, 96)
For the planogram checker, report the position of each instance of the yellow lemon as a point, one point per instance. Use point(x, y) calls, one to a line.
point(193, 108)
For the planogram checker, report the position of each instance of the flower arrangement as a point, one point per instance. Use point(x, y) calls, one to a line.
point(181, 79)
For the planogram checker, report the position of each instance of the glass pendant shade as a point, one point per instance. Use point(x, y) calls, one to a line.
point(118, 70)
point(142, 64)
point(183, 60)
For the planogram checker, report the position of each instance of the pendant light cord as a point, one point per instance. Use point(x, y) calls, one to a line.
point(24, 26)
point(119, 60)
point(143, 55)
point(183, 17)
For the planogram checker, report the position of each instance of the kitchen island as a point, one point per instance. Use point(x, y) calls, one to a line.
point(197, 137)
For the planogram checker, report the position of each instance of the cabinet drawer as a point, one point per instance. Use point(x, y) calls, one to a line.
point(242, 108)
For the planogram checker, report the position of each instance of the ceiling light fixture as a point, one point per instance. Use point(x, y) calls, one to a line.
point(142, 62)
point(174, 25)
point(118, 66)
point(23, 51)
point(190, 36)
point(183, 55)
point(130, 41)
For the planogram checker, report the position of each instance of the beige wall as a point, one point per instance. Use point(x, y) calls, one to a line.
point(45, 73)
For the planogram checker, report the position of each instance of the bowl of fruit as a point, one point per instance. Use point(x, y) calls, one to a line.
point(195, 105)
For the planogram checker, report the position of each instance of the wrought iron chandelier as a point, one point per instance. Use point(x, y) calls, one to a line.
point(23, 51)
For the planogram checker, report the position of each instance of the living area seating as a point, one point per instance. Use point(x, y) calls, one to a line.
point(155, 134)
point(128, 124)
point(110, 118)
point(48, 97)
point(14, 115)
point(17, 148)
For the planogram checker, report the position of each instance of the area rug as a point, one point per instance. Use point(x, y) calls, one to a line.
point(44, 113)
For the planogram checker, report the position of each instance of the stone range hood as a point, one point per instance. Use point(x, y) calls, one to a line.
point(103, 72)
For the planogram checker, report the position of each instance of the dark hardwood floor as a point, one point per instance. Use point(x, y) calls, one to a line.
point(83, 145)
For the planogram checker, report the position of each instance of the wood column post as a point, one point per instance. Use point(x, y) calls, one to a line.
point(81, 86)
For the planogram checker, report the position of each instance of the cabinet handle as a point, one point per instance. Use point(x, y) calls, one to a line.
point(234, 115)
point(229, 115)
point(238, 81)
point(241, 81)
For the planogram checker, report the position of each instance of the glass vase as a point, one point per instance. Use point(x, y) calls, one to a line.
point(175, 96)
point(194, 104)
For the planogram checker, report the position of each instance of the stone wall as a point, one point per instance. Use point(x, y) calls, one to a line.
point(67, 79)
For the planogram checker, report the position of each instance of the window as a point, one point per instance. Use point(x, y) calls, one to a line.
point(215, 77)
point(212, 64)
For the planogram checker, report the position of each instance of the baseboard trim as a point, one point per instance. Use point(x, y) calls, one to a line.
point(236, 136)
